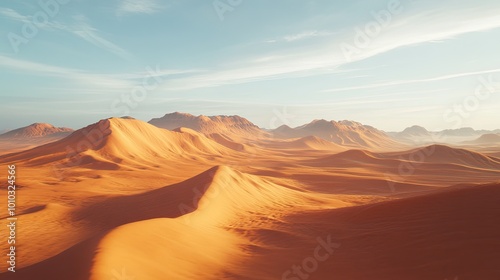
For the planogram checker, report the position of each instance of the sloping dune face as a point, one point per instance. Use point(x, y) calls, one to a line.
point(117, 140)
point(314, 143)
point(448, 155)
point(198, 244)
point(446, 235)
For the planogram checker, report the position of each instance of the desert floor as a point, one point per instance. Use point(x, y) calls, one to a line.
point(144, 203)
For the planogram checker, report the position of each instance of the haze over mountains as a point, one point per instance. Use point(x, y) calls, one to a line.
point(421, 135)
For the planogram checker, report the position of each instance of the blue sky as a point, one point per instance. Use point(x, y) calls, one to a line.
point(389, 64)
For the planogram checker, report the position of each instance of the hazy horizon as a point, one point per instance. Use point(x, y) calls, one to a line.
point(278, 119)
point(388, 64)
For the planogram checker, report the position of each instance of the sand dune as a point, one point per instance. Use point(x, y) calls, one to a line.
point(231, 199)
point(398, 232)
point(433, 154)
point(446, 235)
point(306, 143)
point(115, 140)
point(446, 154)
point(141, 202)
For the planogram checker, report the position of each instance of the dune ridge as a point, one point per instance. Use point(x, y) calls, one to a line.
point(116, 140)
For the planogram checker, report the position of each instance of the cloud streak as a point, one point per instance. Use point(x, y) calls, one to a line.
point(100, 82)
point(301, 36)
point(319, 57)
point(416, 81)
point(138, 7)
point(80, 27)
point(84, 30)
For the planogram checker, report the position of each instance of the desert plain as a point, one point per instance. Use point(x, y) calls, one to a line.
point(199, 197)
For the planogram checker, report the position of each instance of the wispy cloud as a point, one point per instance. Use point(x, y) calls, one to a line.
point(139, 7)
point(79, 27)
point(326, 57)
point(416, 81)
point(85, 78)
point(300, 36)
point(13, 15)
point(97, 81)
point(430, 28)
point(84, 30)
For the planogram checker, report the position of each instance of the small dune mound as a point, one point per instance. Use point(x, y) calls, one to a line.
point(225, 141)
point(448, 155)
point(350, 156)
point(313, 143)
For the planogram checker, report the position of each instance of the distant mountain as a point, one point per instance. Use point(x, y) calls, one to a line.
point(346, 133)
point(230, 126)
point(418, 134)
point(461, 132)
point(37, 130)
point(489, 138)
point(414, 131)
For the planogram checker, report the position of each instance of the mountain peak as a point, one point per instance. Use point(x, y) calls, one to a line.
point(36, 130)
point(231, 126)
point(415, 130)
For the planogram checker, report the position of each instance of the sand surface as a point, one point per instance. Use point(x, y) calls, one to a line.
point(125, 199)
